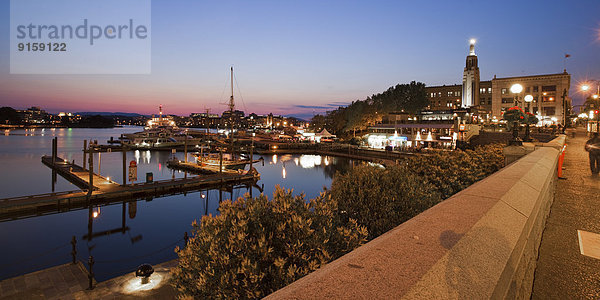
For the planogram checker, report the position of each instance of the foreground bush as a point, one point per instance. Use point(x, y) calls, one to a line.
point(256, 246)
point(453, 171)
point(381, 199)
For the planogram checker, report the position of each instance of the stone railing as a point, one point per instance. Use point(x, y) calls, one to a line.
point(480, 243)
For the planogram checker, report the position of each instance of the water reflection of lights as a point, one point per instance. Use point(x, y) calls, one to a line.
point(137, 156)
point(326, 161)
point(203, 196)
point(274, 159)
point(146, 157)
point(283, 172)
point(96, 213)
point(310, 161)
point(135, 285)
point(296, 161)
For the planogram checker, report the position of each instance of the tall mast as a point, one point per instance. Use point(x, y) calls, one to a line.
point(231, 107)
point(231, 103)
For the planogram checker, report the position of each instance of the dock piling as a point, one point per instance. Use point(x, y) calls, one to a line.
point(84, 152)
point(54, 149)
point(91, 170)
point(124, 150)
point(185, 148)
point(74, 249)
point(91, 273)
point(220, 161)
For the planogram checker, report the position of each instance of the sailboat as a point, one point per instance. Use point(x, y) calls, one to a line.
point(227, 161)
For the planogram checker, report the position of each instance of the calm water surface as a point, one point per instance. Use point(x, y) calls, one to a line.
point(123, 235)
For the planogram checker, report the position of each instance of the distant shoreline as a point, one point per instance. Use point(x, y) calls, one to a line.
point(5, 126)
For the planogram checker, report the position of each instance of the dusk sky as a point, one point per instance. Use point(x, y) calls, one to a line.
point(300, 57)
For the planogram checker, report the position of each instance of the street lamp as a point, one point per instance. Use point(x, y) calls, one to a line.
point(587, 87)
point(528, 99)
point(516, 89)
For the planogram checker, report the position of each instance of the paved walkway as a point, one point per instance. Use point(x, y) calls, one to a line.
point(70, 281)
point(53, 283)
point(563, 272)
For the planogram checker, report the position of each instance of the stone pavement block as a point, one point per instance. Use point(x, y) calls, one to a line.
point(491, 187)
point(583, 280)
point(575, 217)
point(521, 197)
point(562, 243)
point(537, 176)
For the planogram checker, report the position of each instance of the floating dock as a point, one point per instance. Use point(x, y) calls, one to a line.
point(106, 191)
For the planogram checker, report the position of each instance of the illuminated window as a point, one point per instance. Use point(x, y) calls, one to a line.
point(504, 91)
point(549, 88)
point(548, 99)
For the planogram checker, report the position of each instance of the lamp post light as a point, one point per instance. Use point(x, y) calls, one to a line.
point(516, 89)
point(587, 87)
point(528, 99)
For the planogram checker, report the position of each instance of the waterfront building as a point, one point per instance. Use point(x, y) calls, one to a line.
point(547, 91)
point(489, 99)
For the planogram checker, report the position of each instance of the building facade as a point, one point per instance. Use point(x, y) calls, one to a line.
point(491, 98)
point(547, 91)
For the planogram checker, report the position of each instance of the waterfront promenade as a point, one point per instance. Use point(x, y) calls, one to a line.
point(478, 244)
point(563, 272)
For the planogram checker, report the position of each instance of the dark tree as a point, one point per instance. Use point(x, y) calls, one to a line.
point(9, 115)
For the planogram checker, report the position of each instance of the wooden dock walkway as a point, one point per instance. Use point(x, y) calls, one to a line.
point(79, 176)
point(106, 191)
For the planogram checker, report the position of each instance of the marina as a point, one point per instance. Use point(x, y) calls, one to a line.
point(160, 220)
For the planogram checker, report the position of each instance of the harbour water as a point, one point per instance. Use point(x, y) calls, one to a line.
point(124, 235)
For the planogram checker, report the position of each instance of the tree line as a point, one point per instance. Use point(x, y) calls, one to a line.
point(361, 114)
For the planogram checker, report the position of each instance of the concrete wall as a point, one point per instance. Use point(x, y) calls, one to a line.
point(480, 243)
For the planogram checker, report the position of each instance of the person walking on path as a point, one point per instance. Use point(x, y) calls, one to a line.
point(592, 146)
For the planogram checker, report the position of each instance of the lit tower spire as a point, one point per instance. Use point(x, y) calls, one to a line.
point(470, 85)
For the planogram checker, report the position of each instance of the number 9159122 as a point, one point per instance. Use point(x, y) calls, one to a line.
point(42, 46)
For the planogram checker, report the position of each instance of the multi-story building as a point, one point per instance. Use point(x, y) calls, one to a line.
point(444, 97)
point(491, 98)
point(547, 92)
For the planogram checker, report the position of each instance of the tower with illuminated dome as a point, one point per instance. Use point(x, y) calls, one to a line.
point(470, 84)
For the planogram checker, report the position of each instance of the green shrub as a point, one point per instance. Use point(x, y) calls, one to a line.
point(453, 171)
point(381, 199)
point(256, 246)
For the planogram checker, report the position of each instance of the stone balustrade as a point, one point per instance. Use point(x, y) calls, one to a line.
point(480, 243)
